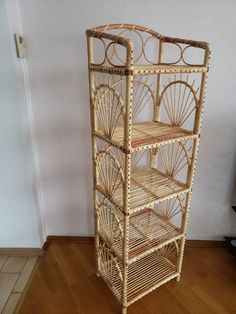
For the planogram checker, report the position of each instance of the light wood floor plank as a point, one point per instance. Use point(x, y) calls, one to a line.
point(11, 303)
point(25, 275)
point(7, 282)
point(14, 264)
point(3, 259)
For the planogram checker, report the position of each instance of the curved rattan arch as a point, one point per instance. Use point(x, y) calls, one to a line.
point(171, 207)
point(141, 96)
point(110, 269)
point(180, 112)
point(110, 174)
point(170, 250)
point(175, 157)
point(131, 27)
point(110, 223)
point(109, 109)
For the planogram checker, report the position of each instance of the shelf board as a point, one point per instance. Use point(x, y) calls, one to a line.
point(147, 274)
point(148, 135)
point(144, 276)
point(148, 187)
point(148, 231)
point(149, 69)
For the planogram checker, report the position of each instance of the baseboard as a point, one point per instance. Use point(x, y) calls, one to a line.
point(204, 243)
point(63, 239)
point(21, 251)
point(78, 239)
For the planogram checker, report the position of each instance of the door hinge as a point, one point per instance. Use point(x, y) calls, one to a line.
point(20, 46)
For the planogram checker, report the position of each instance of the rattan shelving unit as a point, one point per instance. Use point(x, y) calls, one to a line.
point(147, 94)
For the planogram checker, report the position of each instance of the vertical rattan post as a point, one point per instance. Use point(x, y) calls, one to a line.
point(191, 172)
point(158, 86)
point(93, 127)
point(127, 172)
point(156, 109)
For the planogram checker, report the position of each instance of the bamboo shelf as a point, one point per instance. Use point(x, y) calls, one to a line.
point(147, 135)
point(147, 94)
point(143, 276)
point(147, 187)
point(148, 231)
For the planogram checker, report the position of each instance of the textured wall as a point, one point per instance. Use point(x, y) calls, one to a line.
point(55, 36)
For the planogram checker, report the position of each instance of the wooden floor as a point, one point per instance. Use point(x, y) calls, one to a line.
point(65, 282)
point(15, 271)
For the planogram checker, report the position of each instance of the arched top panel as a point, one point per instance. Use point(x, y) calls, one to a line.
point(143, 44)
point(131, 27)
point(130, 44)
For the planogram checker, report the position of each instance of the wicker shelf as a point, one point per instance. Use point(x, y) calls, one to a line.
point(149, 69)
point(148, 231)
point(147, 95)
point(144, 275)
point(147, 188)
point(148, 135)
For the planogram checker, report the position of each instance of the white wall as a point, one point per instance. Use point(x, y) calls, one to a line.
point(19, 220)
point(55, 35)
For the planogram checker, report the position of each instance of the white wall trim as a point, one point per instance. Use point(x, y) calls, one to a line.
point(15, 25)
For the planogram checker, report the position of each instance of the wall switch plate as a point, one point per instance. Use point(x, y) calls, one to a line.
point(20, 46)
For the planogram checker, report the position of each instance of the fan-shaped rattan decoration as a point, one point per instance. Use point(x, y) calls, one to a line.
point(179, 100)
point(110, 223)
point(109, 109)
point(110, 269)
point(171, 208)
point(174, 157)
point(170, 250)
point(110, 176)
point(143, 96)
point(147, 94)
point(143, 93)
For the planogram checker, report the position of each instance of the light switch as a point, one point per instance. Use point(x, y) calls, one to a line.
point(20, 46)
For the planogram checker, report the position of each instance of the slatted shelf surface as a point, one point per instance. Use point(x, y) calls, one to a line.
point(148, 231)
point(148, 135)
point(147, 187)
point(144, 275)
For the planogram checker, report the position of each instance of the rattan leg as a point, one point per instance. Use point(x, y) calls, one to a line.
point(96, 255)
point(178, 278)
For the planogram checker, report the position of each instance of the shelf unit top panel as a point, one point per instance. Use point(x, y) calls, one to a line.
point(148, 187)
point(148, 135)
point(149, 69)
